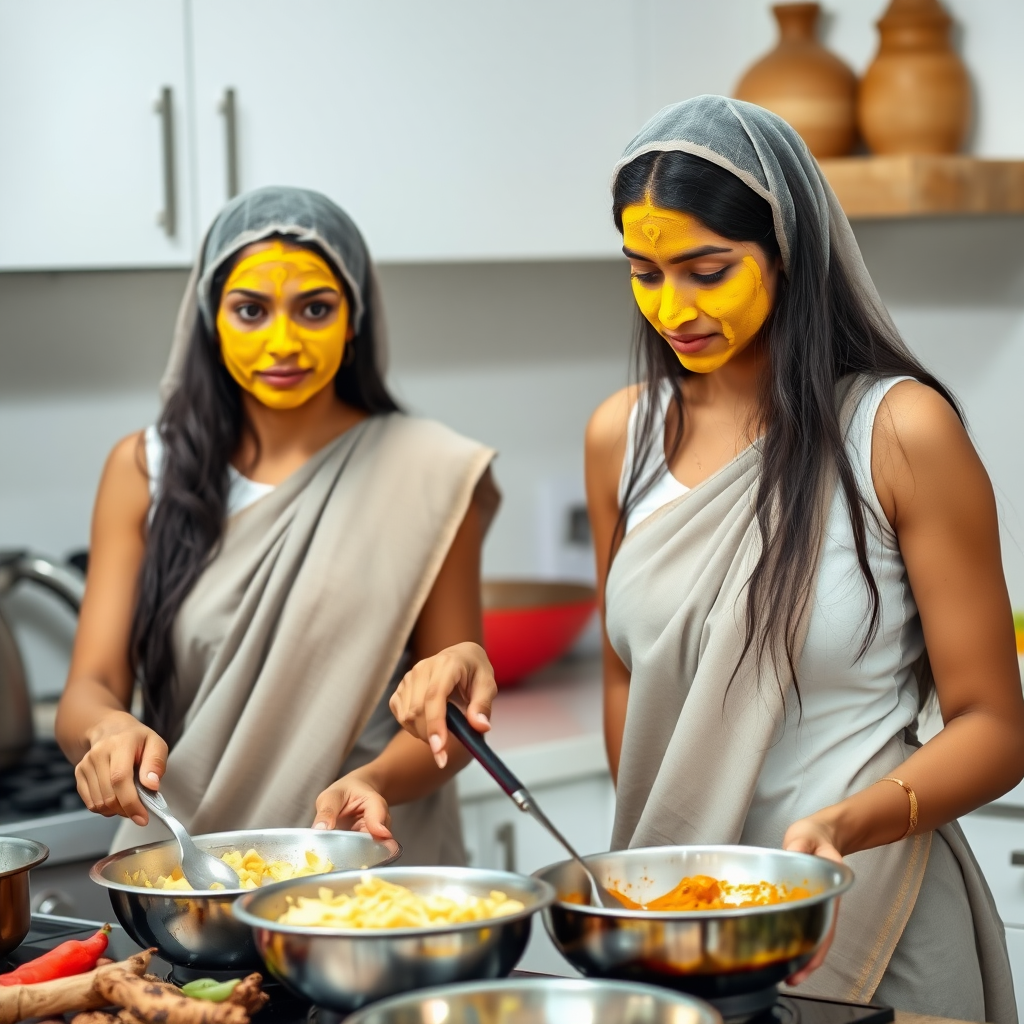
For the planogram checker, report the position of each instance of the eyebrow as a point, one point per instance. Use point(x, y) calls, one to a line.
point(689, 254)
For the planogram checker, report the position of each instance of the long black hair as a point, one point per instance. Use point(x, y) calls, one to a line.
point(820, 330)
point(200, 428)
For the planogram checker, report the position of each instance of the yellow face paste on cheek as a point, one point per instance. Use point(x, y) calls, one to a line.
point(280, 275)
point(740, 304)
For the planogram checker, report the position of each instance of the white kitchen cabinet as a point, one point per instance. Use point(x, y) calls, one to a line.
point(498, 835)
point(452, 130)
point(996, 835)
point(995, 839)
point(88, 162)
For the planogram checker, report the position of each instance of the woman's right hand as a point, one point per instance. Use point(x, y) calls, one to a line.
point(421, 700)
point(106, 774)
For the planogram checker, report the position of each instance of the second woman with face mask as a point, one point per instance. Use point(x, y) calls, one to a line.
point(271, 557)
point(797, 546)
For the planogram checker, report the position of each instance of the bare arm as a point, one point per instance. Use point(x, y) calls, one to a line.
point(938, 499)
point(405, 770)
point(605, 449)
point(94, 725)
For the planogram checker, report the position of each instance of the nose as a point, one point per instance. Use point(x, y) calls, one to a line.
point(283, 342)
point(675, 310)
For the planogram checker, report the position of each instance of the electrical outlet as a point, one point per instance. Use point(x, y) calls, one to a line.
point(564, 545)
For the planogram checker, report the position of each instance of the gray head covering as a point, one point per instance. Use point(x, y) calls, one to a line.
point(767, 154)
point(301, 215)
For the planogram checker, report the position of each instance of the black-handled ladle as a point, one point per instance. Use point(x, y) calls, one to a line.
point(475, 743)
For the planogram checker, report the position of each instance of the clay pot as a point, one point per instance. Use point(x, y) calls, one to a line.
point(916, 96)
point(805, 84)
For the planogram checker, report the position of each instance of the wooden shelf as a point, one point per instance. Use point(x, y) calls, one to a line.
point(921, 186)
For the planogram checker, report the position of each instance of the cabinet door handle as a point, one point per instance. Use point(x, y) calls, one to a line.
point(1017, 858)
point(229, 109)
point(168, 216)
point(506, 838)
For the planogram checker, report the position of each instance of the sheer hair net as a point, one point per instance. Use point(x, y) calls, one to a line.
point(298, 214)
point(767, 154)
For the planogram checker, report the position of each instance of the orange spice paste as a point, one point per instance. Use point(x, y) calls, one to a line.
point(701, 892)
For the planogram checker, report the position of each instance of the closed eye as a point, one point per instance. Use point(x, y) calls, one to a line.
point(649, 278)
point(710, 278)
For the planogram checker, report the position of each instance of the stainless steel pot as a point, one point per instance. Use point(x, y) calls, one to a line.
point(66, 582)
point(734, 958)
point(17, 858)
point(541, 1001)
point(343, 969)
point(199, 930)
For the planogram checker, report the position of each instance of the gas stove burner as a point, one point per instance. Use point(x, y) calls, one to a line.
point(321, 1015)
point(748, 1006)
point(41, 783)
point(805, 1010)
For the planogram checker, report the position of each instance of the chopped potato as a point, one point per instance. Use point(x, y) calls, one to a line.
point(252, 870)
point(377, 903)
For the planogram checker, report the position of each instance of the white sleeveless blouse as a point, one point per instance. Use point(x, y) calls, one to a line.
point(849, 707)
point(242, 491)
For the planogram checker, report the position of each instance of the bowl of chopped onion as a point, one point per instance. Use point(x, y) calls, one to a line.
point(157, 907)
point(347, 939)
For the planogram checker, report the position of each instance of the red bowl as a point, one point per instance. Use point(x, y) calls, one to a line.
point(528, 623)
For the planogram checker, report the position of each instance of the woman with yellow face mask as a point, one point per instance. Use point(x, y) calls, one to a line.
point(797, 547)
point(270, 558)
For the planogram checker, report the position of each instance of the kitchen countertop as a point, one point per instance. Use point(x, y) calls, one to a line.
point(548, 729)
point(283, 1008)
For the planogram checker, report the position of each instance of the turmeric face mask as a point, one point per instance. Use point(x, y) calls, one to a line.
point(283, 323)
point(705, 295)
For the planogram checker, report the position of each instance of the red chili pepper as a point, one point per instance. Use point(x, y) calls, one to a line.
point(76, 956)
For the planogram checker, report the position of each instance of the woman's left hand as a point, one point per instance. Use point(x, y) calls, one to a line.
point(815, 836)
point(353, 803)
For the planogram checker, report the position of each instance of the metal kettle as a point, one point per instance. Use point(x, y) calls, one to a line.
point(68, 583)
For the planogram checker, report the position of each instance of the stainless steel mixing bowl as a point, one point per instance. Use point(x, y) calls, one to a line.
point(198, 929)
point(541, 1001)
point(17, 858)
point(344, 969)
point(734, 958)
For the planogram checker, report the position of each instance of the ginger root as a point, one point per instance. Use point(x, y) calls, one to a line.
point(79, 992)
point(249, 994)
point(160, 1003)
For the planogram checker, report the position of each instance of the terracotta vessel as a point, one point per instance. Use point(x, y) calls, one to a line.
point(804, 83)
point(916, 96)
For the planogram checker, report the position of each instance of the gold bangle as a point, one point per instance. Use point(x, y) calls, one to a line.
point(913, 804)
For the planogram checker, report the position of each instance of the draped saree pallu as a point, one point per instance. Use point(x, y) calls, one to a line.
point(286, 644)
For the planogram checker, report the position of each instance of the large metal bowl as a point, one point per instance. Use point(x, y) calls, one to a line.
point(198, 929)
point(343, 969)
point(541, 1001)
point(17, 858)
point(733, 958)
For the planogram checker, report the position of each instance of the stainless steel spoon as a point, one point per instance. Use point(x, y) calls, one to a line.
point(201, 870)
point(475, 743)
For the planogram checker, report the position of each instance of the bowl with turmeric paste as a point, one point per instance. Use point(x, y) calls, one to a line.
point(725, 923)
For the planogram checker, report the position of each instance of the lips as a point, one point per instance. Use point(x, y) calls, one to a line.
point(687, 344)
point(283, 376)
